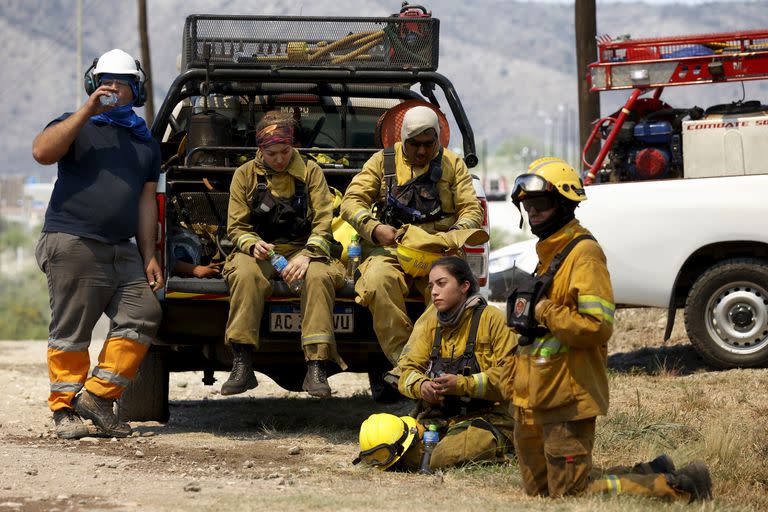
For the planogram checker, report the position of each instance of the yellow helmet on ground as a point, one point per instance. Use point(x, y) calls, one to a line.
point(384, 438)
point(549, 174)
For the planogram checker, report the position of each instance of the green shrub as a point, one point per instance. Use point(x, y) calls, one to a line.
point(24, 306)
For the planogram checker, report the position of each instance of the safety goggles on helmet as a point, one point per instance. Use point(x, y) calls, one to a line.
point(529, 184)
point(383, 454)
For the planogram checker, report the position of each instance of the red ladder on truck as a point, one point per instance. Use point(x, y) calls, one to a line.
point(642, 64)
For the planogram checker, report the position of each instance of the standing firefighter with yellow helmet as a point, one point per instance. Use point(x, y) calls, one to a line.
point(558, 383)
point(418, 183)
point(452, 364)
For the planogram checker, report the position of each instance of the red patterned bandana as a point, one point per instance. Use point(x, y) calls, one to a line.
point(275, 134)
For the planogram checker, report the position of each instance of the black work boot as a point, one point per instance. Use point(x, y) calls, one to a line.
point(242, 378)
point(694, 479)
point(316, 380)
point(661, 464)
point(68, 424)
point(100, 411)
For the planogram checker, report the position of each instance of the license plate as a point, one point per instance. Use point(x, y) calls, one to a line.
point(287, 318)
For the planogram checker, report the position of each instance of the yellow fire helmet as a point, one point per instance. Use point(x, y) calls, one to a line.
point(415, 261)
point(384, 438)
point(417, 249)
point(546, 175)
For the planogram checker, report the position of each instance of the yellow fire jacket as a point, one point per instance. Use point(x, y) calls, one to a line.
point(562, 375)
point(494, 347)
point(281, 184)
point(457, 195)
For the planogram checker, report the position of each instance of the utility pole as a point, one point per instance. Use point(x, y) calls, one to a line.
point(146, 63)
point(79, 70)
point(586, 53)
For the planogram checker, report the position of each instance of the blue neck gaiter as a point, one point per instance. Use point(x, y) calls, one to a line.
point(124, 115)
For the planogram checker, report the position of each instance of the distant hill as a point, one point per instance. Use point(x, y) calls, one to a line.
point(513, 63)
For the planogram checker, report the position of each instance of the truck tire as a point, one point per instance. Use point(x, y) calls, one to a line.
point(726, 314)
point(146, 397)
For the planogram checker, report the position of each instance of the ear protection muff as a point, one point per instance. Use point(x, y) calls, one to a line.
point(89, 80)
point(141, 97)
point(91, 83)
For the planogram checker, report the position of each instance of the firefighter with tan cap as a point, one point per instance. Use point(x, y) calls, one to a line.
point(280, 203)
point(558, 383)
point(452, 364)
point(416, 182)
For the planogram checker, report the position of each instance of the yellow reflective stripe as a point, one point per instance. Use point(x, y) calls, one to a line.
point(481, 384)
point(321, 243)
point(613, 484)
point(410, 380)
point(317, 338)
point(547, 346)
point(247, 237)
point(596, 306)
point(359, 216)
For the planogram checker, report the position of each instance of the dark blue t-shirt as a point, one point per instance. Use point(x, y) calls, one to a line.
point(99, 183)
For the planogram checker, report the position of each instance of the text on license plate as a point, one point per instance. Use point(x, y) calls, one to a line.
point(287, 318)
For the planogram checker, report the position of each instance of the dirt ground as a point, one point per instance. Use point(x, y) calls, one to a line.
point(274, 450)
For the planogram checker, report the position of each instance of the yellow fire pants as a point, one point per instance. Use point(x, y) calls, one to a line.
point(555, 460)
point(382, 288)
point(249, 287)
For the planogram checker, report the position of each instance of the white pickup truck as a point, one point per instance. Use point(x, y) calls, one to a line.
point(680, 206)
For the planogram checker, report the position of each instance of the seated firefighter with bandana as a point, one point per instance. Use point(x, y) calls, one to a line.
point(452, 364)
point(278, 202)
point(416, 182)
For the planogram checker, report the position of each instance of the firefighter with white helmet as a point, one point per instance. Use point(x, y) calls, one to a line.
point(108, 168)
point(416, 182)
point(558, 383)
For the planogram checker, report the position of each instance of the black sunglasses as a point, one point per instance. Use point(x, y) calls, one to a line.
point(539, 203)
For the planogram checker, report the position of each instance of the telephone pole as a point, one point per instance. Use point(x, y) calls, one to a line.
point(146, 63)
point(586, 53)
point(79, 70)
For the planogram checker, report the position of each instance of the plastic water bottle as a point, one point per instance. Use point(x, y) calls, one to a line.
point(279, 262)
point(108, 99)
point(430, 439)
point(354, 254)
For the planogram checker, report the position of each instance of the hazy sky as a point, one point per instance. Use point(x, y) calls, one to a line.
point(643, 1)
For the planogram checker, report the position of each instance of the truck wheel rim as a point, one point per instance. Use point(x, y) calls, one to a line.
point(737, 318)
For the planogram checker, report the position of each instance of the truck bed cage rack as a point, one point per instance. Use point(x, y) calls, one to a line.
point(683, 60)
point(211, 41)
point(186, 83)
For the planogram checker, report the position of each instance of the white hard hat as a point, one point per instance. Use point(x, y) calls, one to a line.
point(116, 62)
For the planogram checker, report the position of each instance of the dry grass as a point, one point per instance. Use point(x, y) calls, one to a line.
point(663, 400)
